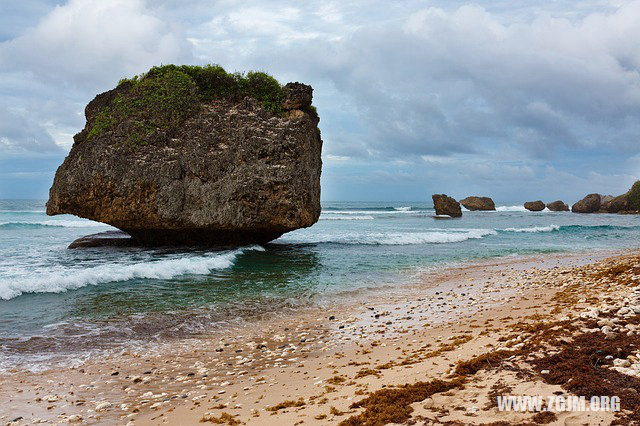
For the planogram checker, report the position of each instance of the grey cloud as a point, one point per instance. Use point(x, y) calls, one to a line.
point(52, 69)
point(446, 81)
point(18, 134)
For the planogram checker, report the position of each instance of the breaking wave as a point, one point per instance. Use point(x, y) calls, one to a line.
point(63, 279)
point(549, 228)
point(338, 217)
point(511, 209)
point(51, 224)
point(393, 238)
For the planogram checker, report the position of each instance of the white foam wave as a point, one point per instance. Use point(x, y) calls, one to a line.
point(392, 238)
point(402, 209)
point(62, 279)
point(58, 223)
point(373, 212)
point(549, 228)
point(22, 211)
point(511, 209)
point(338, 217)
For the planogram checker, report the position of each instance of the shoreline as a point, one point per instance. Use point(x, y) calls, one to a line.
point(321, 354)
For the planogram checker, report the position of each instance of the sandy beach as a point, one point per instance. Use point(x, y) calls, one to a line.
point(436, 352)
point(319, 213)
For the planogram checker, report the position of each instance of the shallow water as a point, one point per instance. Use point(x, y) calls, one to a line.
point(55, 301)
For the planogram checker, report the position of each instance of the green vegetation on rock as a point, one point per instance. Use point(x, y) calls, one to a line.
point(634, 196)
point(158, 102)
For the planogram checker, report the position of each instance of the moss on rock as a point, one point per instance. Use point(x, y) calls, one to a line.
point(156, 103)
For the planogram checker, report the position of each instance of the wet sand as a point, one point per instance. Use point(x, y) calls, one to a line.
point(312, 366)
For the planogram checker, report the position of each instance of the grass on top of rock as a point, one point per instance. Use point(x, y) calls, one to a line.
point(153, 105)
point(634, 196)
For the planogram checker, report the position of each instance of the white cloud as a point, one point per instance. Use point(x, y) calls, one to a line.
point(19, 134)
point(87, 42)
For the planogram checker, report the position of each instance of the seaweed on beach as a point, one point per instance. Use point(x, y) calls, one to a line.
point(224, 419)
point(287, 404)
point(581, 368)
point(394, 405)
point(487, 361)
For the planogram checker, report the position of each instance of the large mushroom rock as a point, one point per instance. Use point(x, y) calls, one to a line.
point(192, 155)
point(558, 206)
point(534, 206)
point(589, 204)
point(445, 205)
point(474, 203)
point(628, 202)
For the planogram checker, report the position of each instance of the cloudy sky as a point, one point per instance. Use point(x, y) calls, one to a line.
point(517, 100)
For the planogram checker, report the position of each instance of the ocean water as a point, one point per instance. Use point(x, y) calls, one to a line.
point(58, 304)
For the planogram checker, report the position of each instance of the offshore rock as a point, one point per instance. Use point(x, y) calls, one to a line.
point(474, 203)
point(534, 206)
point(445, 205)
point(558, 206)
point(628, 202)
point(589, 204)
point(605, 199)
point(232, 172)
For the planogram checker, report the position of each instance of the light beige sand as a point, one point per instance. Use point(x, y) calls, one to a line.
point(321, 364)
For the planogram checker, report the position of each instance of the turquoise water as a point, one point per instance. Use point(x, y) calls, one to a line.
point(55, 301)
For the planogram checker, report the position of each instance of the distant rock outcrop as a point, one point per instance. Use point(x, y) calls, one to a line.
point(478, 203)
point(445, 205)
point(558, 206)
point(589, 204)
point(605, 199)
point(534, 206)
point(625, 203)
point(193, 155)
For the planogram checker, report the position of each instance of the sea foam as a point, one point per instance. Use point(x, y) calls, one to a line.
point(511, 209)
point(395, 211)
point(52, 223)
point(440, 236)
point(63, 279)
point(347, 217)
point(549, 228)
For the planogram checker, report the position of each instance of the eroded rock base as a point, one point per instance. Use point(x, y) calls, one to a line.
point(181, 238)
